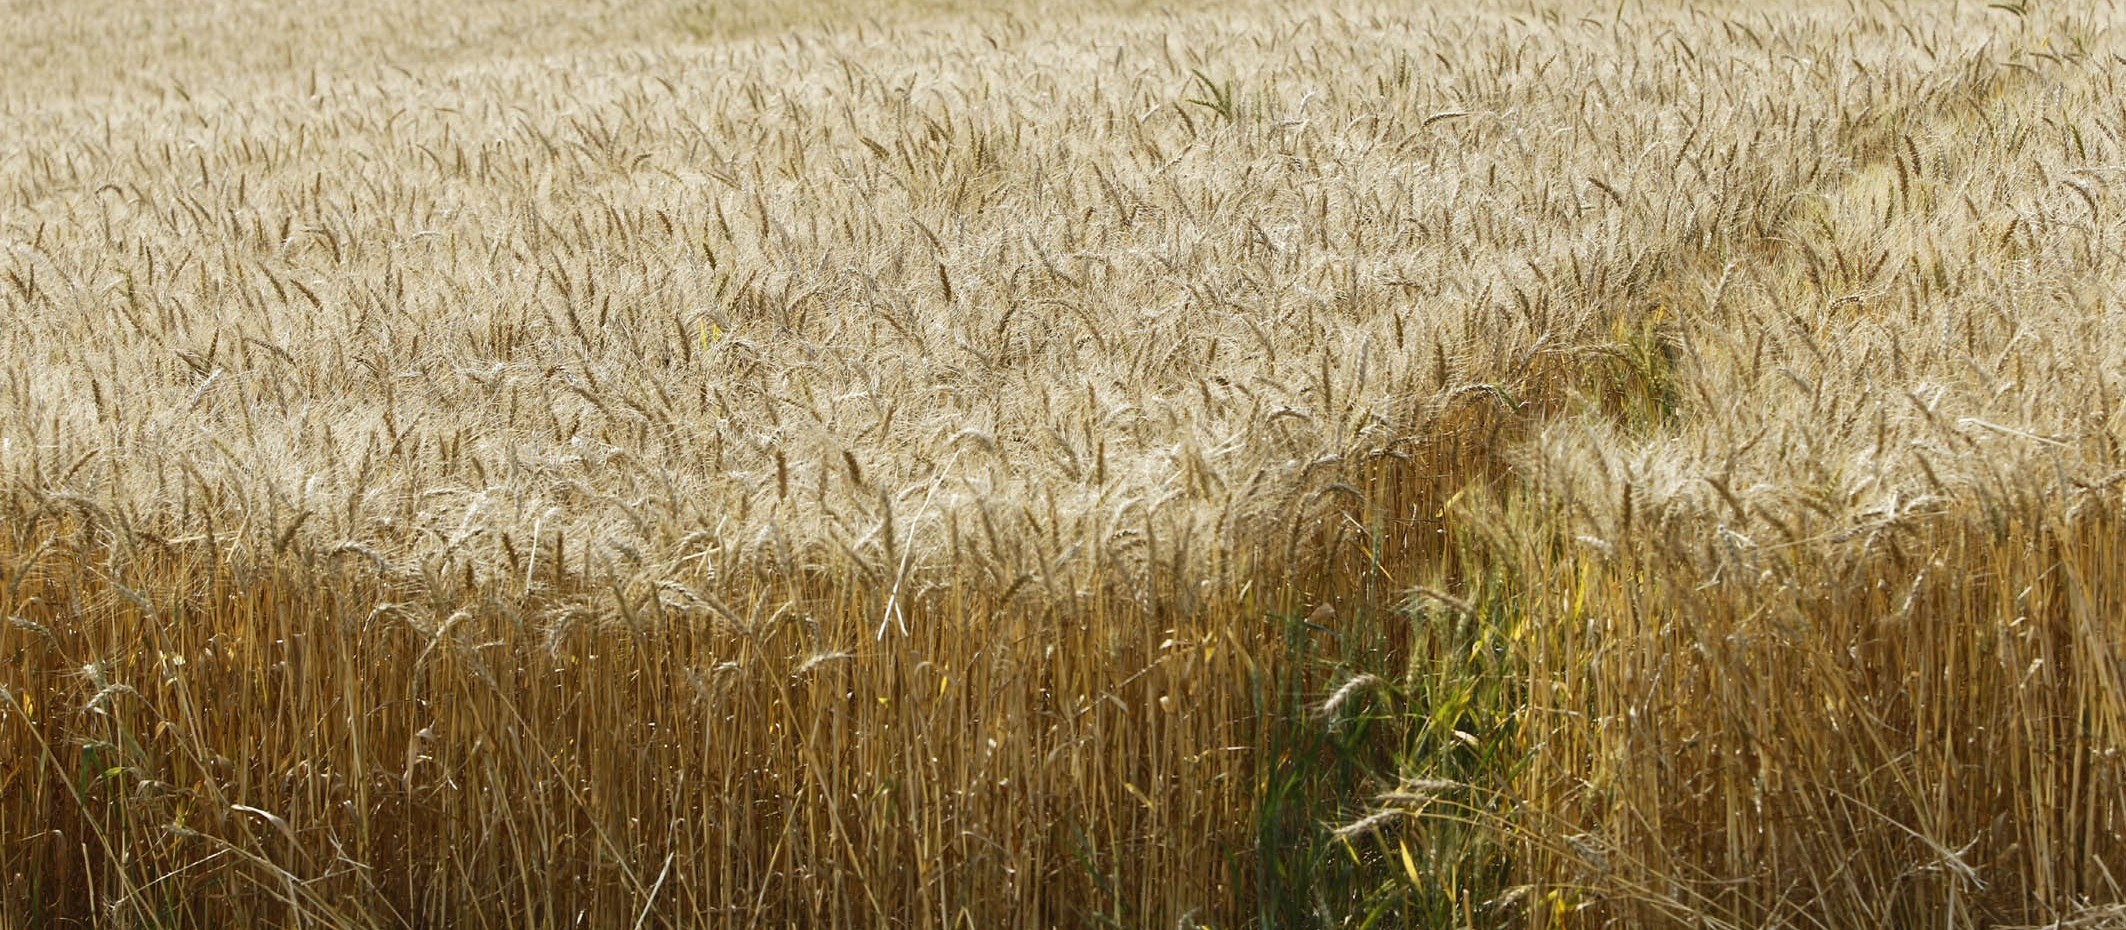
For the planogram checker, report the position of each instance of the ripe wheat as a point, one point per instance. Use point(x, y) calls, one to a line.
point(762, 464)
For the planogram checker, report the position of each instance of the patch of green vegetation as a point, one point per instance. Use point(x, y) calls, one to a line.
point(1381, 800)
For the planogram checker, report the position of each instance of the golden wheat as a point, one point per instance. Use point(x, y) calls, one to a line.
point(782, 464)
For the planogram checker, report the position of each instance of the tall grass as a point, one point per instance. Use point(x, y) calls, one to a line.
point(636, 467)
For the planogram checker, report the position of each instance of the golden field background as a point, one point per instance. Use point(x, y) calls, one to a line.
point(1222, 464)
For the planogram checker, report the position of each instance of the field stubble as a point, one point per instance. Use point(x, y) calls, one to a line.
point(668, 469)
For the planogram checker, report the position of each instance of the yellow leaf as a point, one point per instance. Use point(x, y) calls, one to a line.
point(1139, 794)
point(1409, 865)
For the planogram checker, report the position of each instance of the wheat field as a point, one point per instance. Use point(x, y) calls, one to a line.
point(948, 463)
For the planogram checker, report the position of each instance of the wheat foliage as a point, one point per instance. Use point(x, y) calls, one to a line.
point(752, 465)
